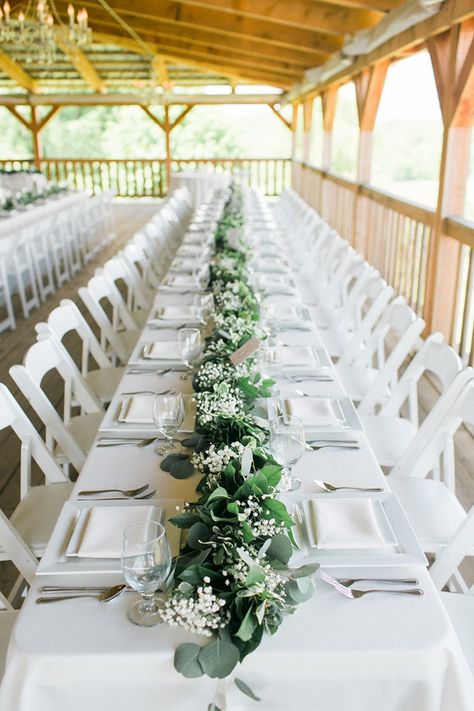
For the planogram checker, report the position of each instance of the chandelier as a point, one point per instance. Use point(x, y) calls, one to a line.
point(34, 30)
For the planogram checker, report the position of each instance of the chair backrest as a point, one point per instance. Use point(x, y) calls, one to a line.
point(41, 358)
point(136, 257)
point(446, 568)
point(118, 270)
point(65, 319)
point(103, 289)
point(432, 448)
point(435, 358)
point(396, 335)
point(92, 295)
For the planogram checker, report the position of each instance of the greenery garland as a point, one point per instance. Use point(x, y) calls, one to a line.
point(231, 581)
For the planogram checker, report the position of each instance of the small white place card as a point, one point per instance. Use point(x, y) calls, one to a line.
point(234, 237)
point(245, 351)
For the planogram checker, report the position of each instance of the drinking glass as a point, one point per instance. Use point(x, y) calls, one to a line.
point(189, 345)
point(287, 444)
point(146, 563)
point(203, 306)
point(168, 416)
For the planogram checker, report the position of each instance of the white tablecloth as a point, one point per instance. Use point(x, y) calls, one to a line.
point(199, 183)
point(379, 653)
point(21, 219)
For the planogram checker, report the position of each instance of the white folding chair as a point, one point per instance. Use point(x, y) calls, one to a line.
point(23, 537)
point(24, 270)
point(459, 602)
point(138, 298)
point(37, 243)
point(118, 334)
point(68, 439)
point(373, 374)
point(390, 433)
point(136, 256)
point(431, 504)
point(5, 295)
point(67, 319)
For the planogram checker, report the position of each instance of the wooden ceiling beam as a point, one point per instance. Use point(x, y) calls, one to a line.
point(293, 72)
point(377, 5)
point(142, 17)
point(279, 115)
point(130, 99)
point(16, 72)
point(82, 65)
point(210, 40)
point(307, 14)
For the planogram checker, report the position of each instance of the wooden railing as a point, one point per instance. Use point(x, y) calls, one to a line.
point(147, 177)
point(394, 235)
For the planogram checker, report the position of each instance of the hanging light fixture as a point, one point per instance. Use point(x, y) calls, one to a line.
point(34, 30)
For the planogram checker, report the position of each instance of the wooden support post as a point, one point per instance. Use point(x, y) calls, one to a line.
point(167, 129)
point(452, 57)
point(279, 115)
point(328, 103)
point(294, 126)
point(307, 126)
point(35, 126)
point(369, 86)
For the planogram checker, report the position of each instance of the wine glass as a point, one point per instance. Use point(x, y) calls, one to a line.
point(203, 306)
point(189, 345)
point(146, 563)
point(287, 444)
point(168, 416)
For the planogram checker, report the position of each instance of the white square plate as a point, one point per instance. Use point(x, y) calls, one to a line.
point(56, 561)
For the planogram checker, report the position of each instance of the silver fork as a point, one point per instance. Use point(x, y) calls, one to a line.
point(333, 445)
point(354, 594)
point(147, 392)
point(330, 487)
point(124, 492)
point(347, 582)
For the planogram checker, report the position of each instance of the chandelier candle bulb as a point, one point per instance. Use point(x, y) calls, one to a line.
point(6, 10)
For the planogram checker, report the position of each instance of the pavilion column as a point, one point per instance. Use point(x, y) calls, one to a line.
point(35, 126)
point(369, 86)
point(328, 104)
point(452, 57)
point(167, 127)
point(307, 127)
point(295, 171)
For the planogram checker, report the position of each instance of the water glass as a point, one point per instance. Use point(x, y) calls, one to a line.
point(201, 275)
point(146, 563)
point(168, 416)
point(203, 306)
point(287, 443)
point(189, 345)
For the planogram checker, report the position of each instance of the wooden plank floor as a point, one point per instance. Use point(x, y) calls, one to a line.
point(13, 345)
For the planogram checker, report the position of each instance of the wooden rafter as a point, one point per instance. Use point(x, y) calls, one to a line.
point(159, 66)
point(298, 13)
point(154, 118)
point(130, 99)
point(380, 5)
point(451, 12)
point(281, 117)
point(19, 117)
point(13, 70)
point(82, 65)
point(143, 17)
point(369, 85)
point(214, 40)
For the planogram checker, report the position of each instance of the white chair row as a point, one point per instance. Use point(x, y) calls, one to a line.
point(371, 335)
point(40, 258)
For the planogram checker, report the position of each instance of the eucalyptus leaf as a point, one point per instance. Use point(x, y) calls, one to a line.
point(186, 660)
point(218, 658)
point(184, 520)
point(304, 571)
point(198, 533)
point(181, 469)
point(298, 595)
point(280, 548)
point(245, 689)
point(247, 626)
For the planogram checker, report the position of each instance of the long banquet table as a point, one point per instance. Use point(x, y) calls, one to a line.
point(381, 652)
point(22, 219)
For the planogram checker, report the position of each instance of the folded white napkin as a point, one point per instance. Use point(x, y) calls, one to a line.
point(103, 537)
point(185, 265)
point(180, 280)
point(287, 314)
point(314, 411)
point(297, 356)
point(176, 313)
point(162, 350)
point(140, 412)
point(345, 523)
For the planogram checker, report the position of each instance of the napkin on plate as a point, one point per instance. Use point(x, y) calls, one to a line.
point(345, 523)
point(103, 536)
point(180, 280)
point(176, 313)
point(314, 411)
point(298, 356)
point(162, 350)
point(139, 410)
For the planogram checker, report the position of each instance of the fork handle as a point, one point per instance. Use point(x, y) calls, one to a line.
point(351, 581)
point(91, 492)
point(359, 488)
point(412, 591)
point(59, 598)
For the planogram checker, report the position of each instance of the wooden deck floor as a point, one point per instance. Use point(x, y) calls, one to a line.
point(13, 345)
